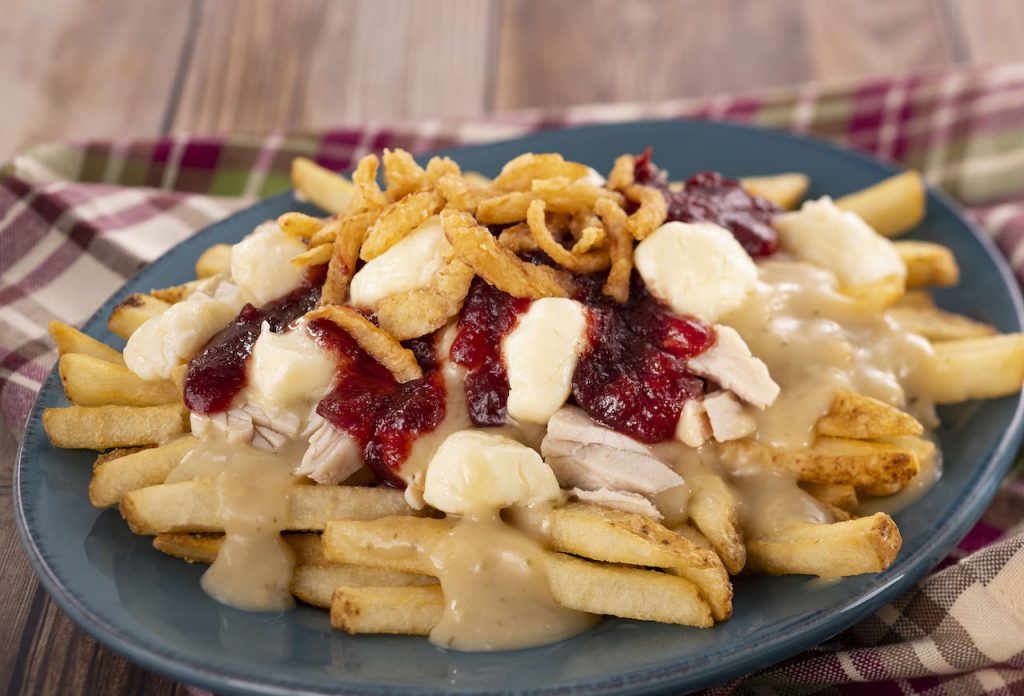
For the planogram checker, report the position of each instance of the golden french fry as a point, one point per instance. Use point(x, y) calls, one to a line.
point(651, 213)
point(70, 340)
point(112, 478)
point(314, 256)
point(422, 311)
point(344, 256)
point(322, 187)
point(519, 173)
point(191, 506)
point(928, 264)
point(936, 324)
point(878, 294)
point(977, 368)
point(203, 548)
point(839, 496)
point(315, 584)
point(133, 312)
point(784, 190)
point(176, 293)
point(860, 417)
point(356, 542)
point(891, 207)
point(477, 247)
point(589, 263)
point(214, 261)
point(398, 359)
point(832, 460)
point(623, 173)
point(880, 490)
point(412, 611)
point(620, 247)
point(299, 225)
point(90, 381)
point(398, 220)
point(402, 175)
point(616, 536)
point(840, 549)
point(714, 511)
point(103, 427)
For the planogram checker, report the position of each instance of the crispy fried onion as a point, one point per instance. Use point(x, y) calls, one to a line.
point(344, 256)
point(478, 248)
point(623, 173)
point(519, 173)
point(650, 214)
point(588, 231)
point(559, 194)
point(314, 256)
point(419, 312)
point(300, 225)
point(382, 346)
point(518, 238)
point(620, 248)
point(402, 175)
point(398, 219)
point(459, 193)
point(587, 263)
point(367, 195)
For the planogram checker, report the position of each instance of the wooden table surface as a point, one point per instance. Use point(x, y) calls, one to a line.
point(72, 69)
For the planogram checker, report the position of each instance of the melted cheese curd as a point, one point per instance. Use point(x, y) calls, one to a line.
point(789, 340)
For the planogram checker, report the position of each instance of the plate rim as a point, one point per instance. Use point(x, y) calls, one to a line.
point(786, 641)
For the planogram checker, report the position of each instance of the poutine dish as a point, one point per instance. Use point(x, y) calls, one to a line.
point(492, 411)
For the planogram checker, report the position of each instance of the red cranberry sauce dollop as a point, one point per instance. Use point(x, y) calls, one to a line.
point(488, 314)
point(710, 197)
point(218, 373)
point(384, 416)
point(633, 376)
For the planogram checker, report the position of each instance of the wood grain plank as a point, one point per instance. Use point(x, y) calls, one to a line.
point(86, 68)
point(43, 651)
point(262, 64)
point(875, 37)
point(991, 29)
point(606, 50)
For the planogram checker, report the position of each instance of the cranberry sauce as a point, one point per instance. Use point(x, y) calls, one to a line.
point(633, 376)
point(711, 197)
point(488, 314)
point(382, 415)
point(218, 373)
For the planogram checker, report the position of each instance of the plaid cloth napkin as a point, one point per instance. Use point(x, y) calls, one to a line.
point(77, 219)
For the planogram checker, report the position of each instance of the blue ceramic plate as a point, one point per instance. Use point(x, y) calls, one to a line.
point(150, 608)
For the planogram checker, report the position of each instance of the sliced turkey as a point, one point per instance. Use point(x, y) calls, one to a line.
point(730, 364)
point(620, 500)
point(332, 456)
point(728, 417)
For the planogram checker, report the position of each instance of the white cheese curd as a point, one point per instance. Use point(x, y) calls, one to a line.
point(697, 268)
point(288, 368)
point(408, 265)
point(593, 177)
point(261, 264)
point(840, 241)
point(479, 473)
point(175, 336)
point(540, 356)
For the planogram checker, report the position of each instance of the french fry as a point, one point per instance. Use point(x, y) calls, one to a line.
point(71, 340)
point(936, 324)
point(860, 417)
point(574, 583)
point(214, 261)
point(891, 207)
point(714, 511)
point(831, 460)
point(322, 187)
point(928, 264)
point(134, 311)
point(177, 293)
point(879, 490)
point(878, 294)
point(399, 360)
point(412, 611)
point(616, 536)
point(90, 381)
point(839, 496)
point(203, 548)
point(112, 478)
point(315, 584)
point(191, 506)
point(840, 549)
point(103, 427)
point(977, 368)
point(784, 190)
